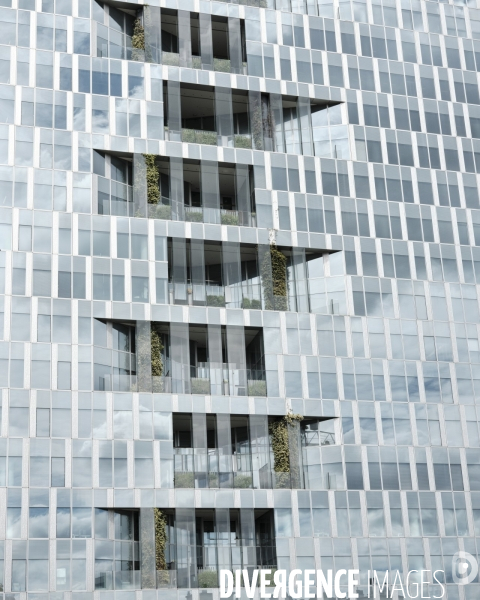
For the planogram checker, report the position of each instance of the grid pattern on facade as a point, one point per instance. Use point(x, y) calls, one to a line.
point(214, 215)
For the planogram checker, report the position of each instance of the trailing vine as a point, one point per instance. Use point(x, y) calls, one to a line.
point(157, 348)
point(282, 463)
point(152, 176)
point(279, 441)
point(291, 419)
point(160, 524)
point(138, 37)
point(274, 279)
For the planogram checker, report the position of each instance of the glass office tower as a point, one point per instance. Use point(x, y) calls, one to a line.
point(239, 314)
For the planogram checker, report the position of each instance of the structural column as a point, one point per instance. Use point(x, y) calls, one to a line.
point(147, 548)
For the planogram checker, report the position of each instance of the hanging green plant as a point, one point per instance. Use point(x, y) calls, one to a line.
point(138, 37)
point(153, 177)
point(160, 524)
point(184, 479)
point(207, 579)
point(157, 348)
point(279, 439)
point(291, 419)
point(257, 121)
point(274, 279)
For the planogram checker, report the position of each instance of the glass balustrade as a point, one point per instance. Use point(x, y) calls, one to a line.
point(246, 461)
point(118, 580)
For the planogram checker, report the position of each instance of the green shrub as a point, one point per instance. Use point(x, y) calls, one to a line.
point(153, 176)
point(213, 481)
point(229, 219)
point(156, 357)
point(213, 300)
point(191, 136)
point(163, 579)
point(170, 59)
point(222, 65)
point(279, 440)
point(188, 135)
point(242, 481)
point(206, 137)
point(282, 481)
point(280, 447)
point(200, 386)
point(184, 480)
point(257, 387)
point(193, 217)
point(254, 304)
point(161, 211)
point(156, 351)
point(207, 579)
point(138, 37)
point(158, 385)
point(243, 141)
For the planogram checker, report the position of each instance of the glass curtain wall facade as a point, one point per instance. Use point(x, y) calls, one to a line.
point(239, 307)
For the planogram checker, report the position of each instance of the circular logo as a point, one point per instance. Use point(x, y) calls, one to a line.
point(464, 568)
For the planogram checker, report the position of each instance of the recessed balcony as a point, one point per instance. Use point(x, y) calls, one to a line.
point(237, 451)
